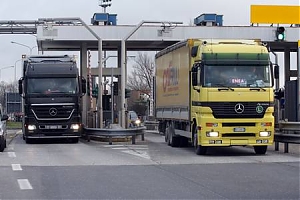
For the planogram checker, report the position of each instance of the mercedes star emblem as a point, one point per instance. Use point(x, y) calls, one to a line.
point(239, 108)
point(53, 111)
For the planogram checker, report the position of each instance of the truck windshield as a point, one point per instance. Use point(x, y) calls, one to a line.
point(52, 85)
point(237, 76)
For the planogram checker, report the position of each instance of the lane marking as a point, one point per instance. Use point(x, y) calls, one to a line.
point(139, 154)
point(16, 167)
point(24, 184)
point(11, 154)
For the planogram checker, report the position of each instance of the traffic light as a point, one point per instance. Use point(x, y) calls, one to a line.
point(280, 34)
point(127, 93)
point(116, 89)
point(95, 91)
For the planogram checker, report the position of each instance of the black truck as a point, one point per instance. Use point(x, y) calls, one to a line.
point(52, 90)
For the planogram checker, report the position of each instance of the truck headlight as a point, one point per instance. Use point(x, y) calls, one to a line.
point(31, 127)
point(75, 126)
point(137, 122)
point(264, 133)
point(212, 134)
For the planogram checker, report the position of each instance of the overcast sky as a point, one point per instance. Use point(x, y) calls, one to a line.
point(130, 12)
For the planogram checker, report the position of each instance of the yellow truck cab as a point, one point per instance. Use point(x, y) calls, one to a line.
point(215, 93)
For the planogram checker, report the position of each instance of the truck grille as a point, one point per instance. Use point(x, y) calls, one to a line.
point(53, 112)
point(238, 109)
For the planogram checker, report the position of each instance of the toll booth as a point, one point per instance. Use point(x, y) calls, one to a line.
point(209, 20)
point(104, 19)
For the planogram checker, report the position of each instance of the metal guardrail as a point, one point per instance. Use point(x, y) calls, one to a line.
point(288, 132)
point(110, 133)
point(151, 125)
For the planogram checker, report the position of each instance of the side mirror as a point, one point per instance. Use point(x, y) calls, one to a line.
point(194, 74)
point(194, 51)
point(194, 79)
point(83, 85)
point(4, 117)
point(20, 82)
point(276, 71)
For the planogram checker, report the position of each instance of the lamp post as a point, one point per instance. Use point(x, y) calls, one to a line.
point(16, 69)
point(30, 48)
point(4, 68)
point(123, 61)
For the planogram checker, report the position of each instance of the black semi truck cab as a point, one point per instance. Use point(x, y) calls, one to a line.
point(52, 90)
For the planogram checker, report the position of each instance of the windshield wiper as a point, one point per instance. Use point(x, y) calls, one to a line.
point(225, 87)
point(258, 88)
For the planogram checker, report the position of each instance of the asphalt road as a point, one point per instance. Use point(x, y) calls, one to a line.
point(148, 170)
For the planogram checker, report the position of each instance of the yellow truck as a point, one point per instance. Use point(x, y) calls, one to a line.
point(215, 93)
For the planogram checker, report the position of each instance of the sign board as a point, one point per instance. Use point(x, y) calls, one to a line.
point(274, 14)
point(13, 103)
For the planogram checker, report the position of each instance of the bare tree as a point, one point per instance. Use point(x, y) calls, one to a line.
point(140, 78)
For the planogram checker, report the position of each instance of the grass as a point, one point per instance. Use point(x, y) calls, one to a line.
point(13, 125)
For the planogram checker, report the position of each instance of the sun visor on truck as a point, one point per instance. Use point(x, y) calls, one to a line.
point(235, 58)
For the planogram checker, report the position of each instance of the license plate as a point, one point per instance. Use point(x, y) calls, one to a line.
point(53, 127)
point(238, 129)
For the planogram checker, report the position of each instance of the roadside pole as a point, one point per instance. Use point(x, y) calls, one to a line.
point(298, 78)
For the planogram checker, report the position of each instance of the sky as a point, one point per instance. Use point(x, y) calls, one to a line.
point(129, 12)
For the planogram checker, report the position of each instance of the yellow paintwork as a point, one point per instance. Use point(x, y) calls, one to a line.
point(298, 43)
point(180, 59)
point(176, 94)
point(275, 14)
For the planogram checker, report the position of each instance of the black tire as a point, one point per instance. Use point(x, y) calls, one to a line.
point(174, 141)
point(28, 140)
point(199, 150)
point(166, 136)
point(2, 144)
point(23, 136)
point(260, 150)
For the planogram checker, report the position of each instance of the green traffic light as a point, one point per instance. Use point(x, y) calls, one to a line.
point(280, 35)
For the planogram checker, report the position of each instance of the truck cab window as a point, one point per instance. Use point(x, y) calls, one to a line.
point(237, 76)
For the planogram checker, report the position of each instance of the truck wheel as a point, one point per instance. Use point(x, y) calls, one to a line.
point(260, 150)
point(28, 140)
point(2, 144)
point(167, 135)
point(199, 150)
point(173, 141)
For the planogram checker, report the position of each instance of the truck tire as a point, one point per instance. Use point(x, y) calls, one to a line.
point(173, 141)
point(199, 150)
point(2, 144)
point(166, 135)
point(28, 140)
point(260, 150)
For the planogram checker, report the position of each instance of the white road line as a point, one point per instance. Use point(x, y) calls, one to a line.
point(11, 154)
point(16, 167)
point(24, 184)
point(139, 154)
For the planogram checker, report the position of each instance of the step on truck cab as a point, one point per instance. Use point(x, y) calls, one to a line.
point(51, 88)
point(215, 93)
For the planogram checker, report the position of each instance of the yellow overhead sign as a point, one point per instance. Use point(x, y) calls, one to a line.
point(275, 14)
